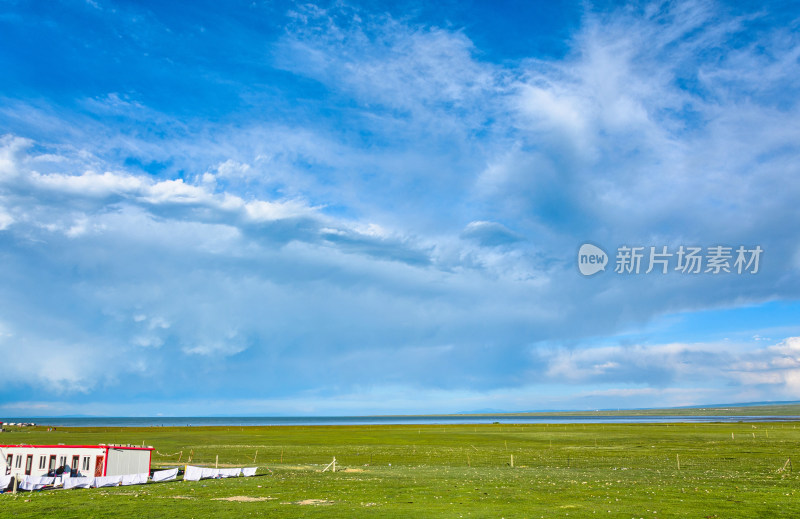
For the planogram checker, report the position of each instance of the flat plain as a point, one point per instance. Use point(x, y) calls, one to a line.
point(698, 470)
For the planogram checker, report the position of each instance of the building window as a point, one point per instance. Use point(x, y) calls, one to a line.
point(9, 459)
point(62, 461)
point(42, 462)
point(28, 464)
point(75, 460)
point(86, 463)
point(19, 461)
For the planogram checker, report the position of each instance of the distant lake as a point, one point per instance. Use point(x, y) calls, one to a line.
point(195, 421)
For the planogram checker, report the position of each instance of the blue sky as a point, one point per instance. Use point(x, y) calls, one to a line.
point(345, 208)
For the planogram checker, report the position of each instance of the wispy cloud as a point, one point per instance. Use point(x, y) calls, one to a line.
point(367, 189)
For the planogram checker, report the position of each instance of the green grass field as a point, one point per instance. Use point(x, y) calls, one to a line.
point(576, 470)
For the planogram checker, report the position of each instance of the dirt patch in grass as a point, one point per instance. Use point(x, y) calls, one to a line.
point(314, 502)
point(245, 499)
point(352, 470)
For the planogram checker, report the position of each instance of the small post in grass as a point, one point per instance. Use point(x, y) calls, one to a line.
point(216, 463)
point(331, 464)
point(678, 456)
point(254, 457)
point(512, 461)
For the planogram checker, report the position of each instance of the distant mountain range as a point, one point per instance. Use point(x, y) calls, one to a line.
point(769, 408)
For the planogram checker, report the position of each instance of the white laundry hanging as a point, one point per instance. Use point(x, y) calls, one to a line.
point(107, 481)
point(78, 482)
point(229, 473)
point(192, 473)
point(5, 481)
point(35, 482)
point(165, 475)
point(134, 479)
point(209, 473)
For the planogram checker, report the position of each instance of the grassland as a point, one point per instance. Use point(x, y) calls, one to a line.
point(575, 470)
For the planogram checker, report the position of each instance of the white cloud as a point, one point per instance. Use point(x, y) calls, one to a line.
point(554, 110)
point(777, 365)
point(630, 132)
point(427, 72)
point(5, 220)
point(432, 208)
point(145, 341)
point(89, 183)
point(232, 168)
point(11, 147)
point(176, 191)
point(680, 364)
point(59, 367)
point(489, 233)
point(262, 211)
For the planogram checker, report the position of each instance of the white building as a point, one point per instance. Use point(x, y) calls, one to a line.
point(78, 460)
